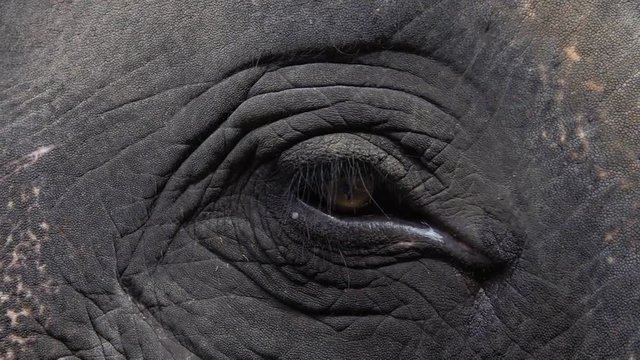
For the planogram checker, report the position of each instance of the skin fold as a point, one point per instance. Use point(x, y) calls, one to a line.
point(162, 167)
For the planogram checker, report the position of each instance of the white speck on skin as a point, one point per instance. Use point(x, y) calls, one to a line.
point(44, 226)
point(10, 205)
point(294, 215)
point(36, 191)
point(610, 260)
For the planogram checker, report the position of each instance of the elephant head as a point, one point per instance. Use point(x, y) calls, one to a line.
point(320, 180)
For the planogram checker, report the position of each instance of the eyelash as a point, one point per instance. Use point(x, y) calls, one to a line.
point(345, 187)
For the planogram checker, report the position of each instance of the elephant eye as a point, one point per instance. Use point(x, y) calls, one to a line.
point(356, 200)
point(346, 189)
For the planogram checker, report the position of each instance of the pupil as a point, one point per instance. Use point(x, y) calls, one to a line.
point(347, 189)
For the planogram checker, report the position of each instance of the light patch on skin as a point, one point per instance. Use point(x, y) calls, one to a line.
point(625, 184)
point(8, 240)
point(21, 289)
point(610, 260)
point(31, 235)
point(16, 166)
point(601, 173)
point(17, 259)
point(527, 9)
point(571, 52)
point(581, 134)
point(610, 236)
point(15, 315)
point(573, 155)
point(559, 95)
point(18, 339)
point(24, 277)
point(563, 136)
point(594, 86)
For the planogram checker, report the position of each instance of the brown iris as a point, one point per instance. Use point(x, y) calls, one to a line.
point(350, 193)
point(343, 188)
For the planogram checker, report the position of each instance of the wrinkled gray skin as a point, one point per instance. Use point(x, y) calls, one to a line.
point(147, 151)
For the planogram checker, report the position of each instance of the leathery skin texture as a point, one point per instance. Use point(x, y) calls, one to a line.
point(320, 179)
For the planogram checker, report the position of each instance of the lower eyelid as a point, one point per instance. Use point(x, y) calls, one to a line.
point(385, 237)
